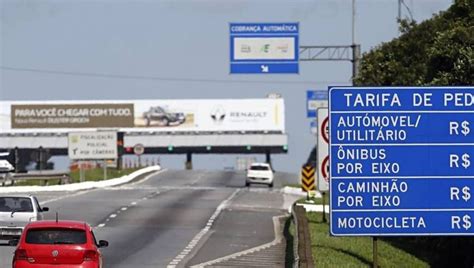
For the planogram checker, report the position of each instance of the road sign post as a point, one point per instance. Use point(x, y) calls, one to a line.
point(105, 169)
point(323, 150)
point(138, 150)
point(264, 48)
point(323, 155)
point(400, 161)
point(315, 99)
point(307, 179)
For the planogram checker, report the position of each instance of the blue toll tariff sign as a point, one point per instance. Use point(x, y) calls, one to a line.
point(402, 161)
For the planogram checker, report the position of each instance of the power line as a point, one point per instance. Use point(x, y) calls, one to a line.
point(157, 78)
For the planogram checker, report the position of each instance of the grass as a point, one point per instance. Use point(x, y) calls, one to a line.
point(315, 200)
point(293, 185)
point(36, 182)
point(331, 251)
point(96, 174)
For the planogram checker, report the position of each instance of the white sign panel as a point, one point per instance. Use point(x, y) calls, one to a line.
point(281, 48)
point(257, 115)
point(92, 145)
point(323, 150)
point(316, 104)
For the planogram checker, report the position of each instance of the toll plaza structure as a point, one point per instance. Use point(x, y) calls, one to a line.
point(39, 129)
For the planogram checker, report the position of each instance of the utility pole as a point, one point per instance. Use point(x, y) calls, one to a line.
point(353, 22)
point(335, 52)
point(399, 17)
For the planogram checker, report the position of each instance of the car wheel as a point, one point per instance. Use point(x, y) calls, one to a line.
point(166, 121)
point(247, 184)
point(270, 185)
point(148, 121)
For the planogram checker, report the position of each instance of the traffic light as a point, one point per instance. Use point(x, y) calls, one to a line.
point(208, 148)
point(285, 147)
point(170, 148)
point(120, 143)
point(249, 147)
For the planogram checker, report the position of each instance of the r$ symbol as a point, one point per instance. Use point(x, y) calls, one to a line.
point(465, 128)
point(466, 219)
point(466, 195)
point(465, 161)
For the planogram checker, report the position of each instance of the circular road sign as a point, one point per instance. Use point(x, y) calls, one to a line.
point(325, 129)
point(138, 149)
point(325, 168)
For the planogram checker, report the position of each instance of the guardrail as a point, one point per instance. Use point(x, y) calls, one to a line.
point(44, 176)
point(302, 240)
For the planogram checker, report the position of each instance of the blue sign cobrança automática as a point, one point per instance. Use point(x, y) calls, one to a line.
point(315, 99)
point(264, 48)
point(402, 161)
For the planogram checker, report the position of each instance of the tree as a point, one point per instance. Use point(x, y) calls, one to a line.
point(438, 51)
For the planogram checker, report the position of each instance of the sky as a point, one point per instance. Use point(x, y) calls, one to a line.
point(182, 46)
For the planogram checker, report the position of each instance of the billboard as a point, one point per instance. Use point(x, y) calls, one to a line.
point(71, 115)
point(139, 115)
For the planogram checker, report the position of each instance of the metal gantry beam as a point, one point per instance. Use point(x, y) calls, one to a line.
point(332, 53)
point(325, 53)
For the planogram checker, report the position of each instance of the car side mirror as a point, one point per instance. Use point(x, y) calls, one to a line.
point(13, 242)
point(45, 209)
point(103, 244)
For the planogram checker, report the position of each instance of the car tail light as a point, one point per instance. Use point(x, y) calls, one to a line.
point(21, 255)
point(91, 255)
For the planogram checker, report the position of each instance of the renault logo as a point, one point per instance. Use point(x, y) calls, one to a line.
point(55, 253)
point(218, 114)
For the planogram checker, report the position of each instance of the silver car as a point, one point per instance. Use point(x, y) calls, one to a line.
point(16, 212)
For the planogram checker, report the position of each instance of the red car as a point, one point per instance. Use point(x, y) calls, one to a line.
point(65, 244)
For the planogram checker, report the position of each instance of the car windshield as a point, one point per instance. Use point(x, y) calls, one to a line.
point(17, 204)
point(159, 110)
point(53, 236)
point(259, 168)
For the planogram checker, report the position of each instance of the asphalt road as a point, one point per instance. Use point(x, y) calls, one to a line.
point(174, 218)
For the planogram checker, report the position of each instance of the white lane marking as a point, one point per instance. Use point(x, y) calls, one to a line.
point(81, 192)
point(148, 177)
point(198, 236)
point(278, 238)
point(122, 209)
point(67, 196)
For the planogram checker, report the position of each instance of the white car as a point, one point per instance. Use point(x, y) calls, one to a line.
point(16, 212)
point(260, 173)
point(5, 166)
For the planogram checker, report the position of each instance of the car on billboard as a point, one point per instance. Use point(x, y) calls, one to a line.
point(163, 117)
